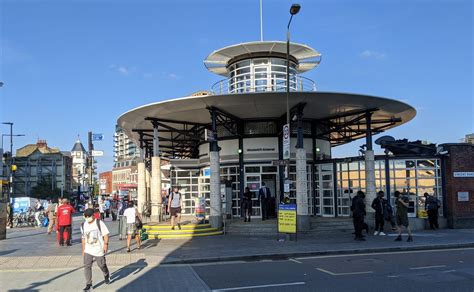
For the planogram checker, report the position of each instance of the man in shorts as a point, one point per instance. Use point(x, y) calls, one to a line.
point(402, 203)
point(174, 205)
point(131, 214)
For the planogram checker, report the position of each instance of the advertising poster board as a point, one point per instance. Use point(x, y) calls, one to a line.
point(287, 218)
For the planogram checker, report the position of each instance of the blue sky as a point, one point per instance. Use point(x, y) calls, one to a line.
point(74, 66)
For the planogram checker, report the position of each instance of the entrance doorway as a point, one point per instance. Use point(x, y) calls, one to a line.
point(255, 175)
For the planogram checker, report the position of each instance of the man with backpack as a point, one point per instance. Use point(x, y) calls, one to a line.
point(95, 244)
point(358, 214)
point(174, 205)
point(378, 204)
point(431, 206)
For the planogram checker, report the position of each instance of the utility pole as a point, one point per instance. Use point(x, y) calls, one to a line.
point(91, 164)
point(10, 163)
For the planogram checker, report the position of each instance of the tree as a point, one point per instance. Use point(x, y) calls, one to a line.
point(44, 189)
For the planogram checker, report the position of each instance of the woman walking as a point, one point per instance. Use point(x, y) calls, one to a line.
point(247, 204)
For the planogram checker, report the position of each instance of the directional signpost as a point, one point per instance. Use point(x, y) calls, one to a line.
point(97, 153)
point(97, 137)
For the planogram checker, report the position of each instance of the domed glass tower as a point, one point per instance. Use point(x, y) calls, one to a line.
point(261, 67)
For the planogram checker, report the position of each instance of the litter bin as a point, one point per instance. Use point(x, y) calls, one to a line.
point(122, 227)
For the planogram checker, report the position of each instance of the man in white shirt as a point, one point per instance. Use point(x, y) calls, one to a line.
point(131, 214)
point(95, 243)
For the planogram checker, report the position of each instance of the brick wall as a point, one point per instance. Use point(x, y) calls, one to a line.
point(460, 159)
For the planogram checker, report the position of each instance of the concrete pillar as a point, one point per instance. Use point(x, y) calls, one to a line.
point(370, 191)
point(141, 199)
point(215, 217)
point(155, 188)
point(302, 190)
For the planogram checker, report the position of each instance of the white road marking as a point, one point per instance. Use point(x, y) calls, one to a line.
point(394, 276)
point(343, 274)
point(296, 261)
point(448, 271)
point(260, 286)
point(428, 267)
point(381, 253)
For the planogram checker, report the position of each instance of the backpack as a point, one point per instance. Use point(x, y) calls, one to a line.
point(98, 226)
point(171, 196)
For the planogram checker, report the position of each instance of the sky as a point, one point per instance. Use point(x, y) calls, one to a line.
point(70, 67)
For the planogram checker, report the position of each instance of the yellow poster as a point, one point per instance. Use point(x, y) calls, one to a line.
point(287, 218)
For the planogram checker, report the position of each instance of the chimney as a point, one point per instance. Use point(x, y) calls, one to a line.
point(42, 144)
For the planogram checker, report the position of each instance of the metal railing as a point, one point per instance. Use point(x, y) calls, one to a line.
point(261, 82)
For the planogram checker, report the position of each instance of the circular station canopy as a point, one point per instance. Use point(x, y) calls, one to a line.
point(306, 57)
point(336, 109)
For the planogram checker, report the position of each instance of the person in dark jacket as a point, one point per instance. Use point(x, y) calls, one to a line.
point(247, 204)
point(431, 206)
point(379, 205)
point(265, 195)
point(358, 214)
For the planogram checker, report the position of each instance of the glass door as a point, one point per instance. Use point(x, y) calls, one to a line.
point(325, 190)
point(253, 182)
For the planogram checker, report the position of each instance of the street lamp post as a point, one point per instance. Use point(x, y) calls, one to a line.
point(294, 9)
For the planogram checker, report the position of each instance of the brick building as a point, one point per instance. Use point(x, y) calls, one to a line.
point(459, 186)
point(105, 182)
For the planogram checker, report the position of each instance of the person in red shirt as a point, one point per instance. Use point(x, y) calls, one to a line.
point(64, 215)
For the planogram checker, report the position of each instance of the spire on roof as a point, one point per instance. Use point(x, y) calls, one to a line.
point(78, 147)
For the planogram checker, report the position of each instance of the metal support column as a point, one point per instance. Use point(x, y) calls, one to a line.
point(241, 165)
point(156, 201)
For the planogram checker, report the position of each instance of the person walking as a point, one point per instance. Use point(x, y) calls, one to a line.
point(38, 209)
point(107, 208)
point(132, 216)
point(51, 213)
point(264, 196)
point(95, 244)
point(101, 203)
point(402, 203)
point(432, 205)
point(10, 215)
point(378, 204)
point(359, 214)
point(174, 205)
point(247, 204)
point(114, 209)
point(64, 216)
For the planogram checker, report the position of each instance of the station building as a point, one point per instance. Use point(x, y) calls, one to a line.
point(215, 143)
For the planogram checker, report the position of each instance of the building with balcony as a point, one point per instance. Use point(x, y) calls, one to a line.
point(126, 151)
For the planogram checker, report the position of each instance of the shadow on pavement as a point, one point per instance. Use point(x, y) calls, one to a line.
point(123, 272)
point(5, 252)
point(35, 285)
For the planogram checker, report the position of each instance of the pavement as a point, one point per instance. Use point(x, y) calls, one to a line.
point(33, 253)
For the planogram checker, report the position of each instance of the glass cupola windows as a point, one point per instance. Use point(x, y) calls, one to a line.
point(259, 75)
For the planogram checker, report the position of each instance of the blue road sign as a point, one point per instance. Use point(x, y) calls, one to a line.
point(97, 137)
